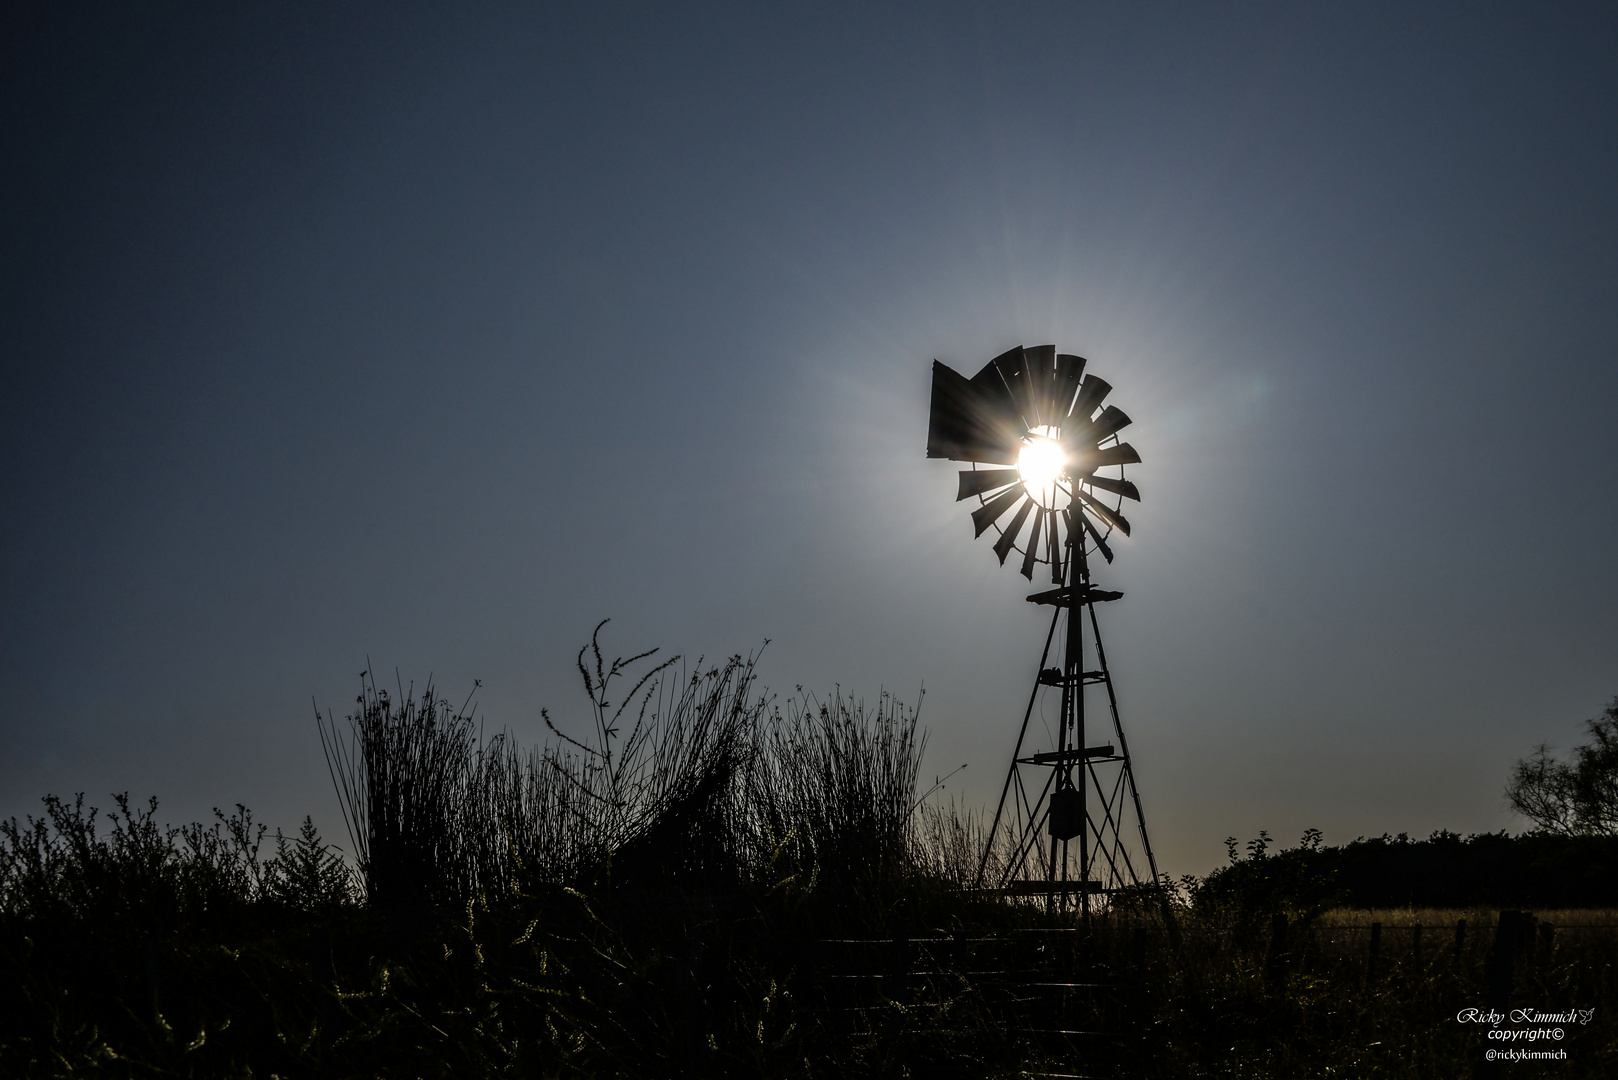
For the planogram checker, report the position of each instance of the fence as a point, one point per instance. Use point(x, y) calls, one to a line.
point(1076, 993)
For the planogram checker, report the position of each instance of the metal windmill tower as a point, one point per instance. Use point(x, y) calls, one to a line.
point(1045, 451)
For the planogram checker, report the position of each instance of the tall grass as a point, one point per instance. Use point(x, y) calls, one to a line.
point(833, 788)
point(404, 776)
point(659, 790)
point(690, 779)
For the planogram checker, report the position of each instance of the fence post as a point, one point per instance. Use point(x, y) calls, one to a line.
point(1376, 947)
point(1505, 953)
point(1460, 939)
point(1506, 939)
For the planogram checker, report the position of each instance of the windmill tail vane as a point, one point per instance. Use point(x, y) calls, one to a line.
point(1047, 472)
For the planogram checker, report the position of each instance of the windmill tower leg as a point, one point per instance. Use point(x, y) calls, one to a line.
point(1089, 792)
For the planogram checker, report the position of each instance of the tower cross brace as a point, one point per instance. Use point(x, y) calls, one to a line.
point(1076, 791)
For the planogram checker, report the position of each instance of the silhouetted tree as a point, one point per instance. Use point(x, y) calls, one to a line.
point(1572, 798)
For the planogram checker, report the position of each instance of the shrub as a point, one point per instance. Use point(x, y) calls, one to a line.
point(135, 874)
point(1297, 881)
point(1577, 798)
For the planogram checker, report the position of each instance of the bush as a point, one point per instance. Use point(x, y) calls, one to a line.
point(1446, 870)
point(1577, 798)
point(135, 874)
point(1298, 881)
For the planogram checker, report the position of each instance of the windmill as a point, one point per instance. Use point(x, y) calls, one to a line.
point(1048, 478)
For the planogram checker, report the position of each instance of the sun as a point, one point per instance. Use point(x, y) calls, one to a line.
point(1042, 463)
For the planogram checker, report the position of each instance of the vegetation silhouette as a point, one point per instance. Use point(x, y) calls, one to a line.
point(1576, 798)
point(1446, 870)
point(713, 882)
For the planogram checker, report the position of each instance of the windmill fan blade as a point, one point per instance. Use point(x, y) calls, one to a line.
point(1069, 370)
point(1122, 454)
point(1003, 546)
point(1090, 395)
point(1105, 483)
point(967, 424)
point(1031, 555)
point(1105, 513)
point(990, 512)
point(1015, 371)
point(1101, 545)
point(1110, 422)
point(1002, 409)
point(990, 381)
point(1041, 368)
point(978, 481)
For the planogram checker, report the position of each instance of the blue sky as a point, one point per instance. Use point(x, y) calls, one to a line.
point(433, 335)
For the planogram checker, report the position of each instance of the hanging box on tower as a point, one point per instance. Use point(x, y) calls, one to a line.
point(1067, 814)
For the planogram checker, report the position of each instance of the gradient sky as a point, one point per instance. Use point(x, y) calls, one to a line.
point(435, 335)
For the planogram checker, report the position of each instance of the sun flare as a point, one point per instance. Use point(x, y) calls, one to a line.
point(1041, 462)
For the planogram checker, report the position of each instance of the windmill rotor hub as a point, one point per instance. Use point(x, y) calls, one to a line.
point(1043, 463)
